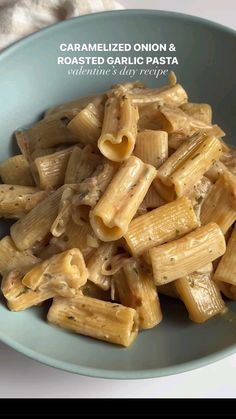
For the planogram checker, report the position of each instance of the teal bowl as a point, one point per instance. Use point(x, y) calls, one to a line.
point(30, 82)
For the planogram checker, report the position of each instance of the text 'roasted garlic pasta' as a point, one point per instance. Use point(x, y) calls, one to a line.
point(117, 198)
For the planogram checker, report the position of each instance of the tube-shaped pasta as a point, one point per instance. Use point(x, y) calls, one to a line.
point(50, 169)
point(228, 290)
point(152, 147)
point(111, 216)
point(92, 188)
point(187, 254)
point(65, 114)
point(119, 88)
point(16, 171)
point(200, 295)
point(76, 105)
point(35, 225)
point(220, 204)
point(176, 139)
point(60, 273)
point(160, 226)
point(119, 128)
point(101, 256)
point(20, 297)
point(96, 318)
point(13, 259)
point(187, 165)
point(148, 117)
point(200, 111)
point(226, 269)
point(198, 193)
point(23, 144)
point(16, 201)
point(59, 225)
point(217, 168)
point(82, 163)
point(136, 289)
point(172, 96)
point(80, 235)
point(176, 120)
point(228, 157)
point(86, 125)
point(30, 154)
point(49, 132)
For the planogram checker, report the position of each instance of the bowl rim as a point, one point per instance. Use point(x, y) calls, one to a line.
point(119, 374)
point(165, 13)
point(97, 372)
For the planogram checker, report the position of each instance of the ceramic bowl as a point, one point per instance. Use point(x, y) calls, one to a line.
point(30, 82)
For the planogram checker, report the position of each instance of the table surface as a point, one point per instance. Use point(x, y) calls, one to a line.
point(22, 377)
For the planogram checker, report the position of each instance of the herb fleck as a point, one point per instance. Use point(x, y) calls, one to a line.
point(199, 199)
point(196, 155)
point(47, 276)
point(21, 293)
point(65, 120)
point(82, 195)
point(191, 282)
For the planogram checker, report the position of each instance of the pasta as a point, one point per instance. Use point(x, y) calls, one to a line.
point(49, 132)
point(75, 105)
point(20, 297)
point(187, 254)
point(117, 198)
point(79, 236)
point(152, 147)
point(60, 273)
point(119, 128)
point(172, 96)
point(160, 225)
point(91, 317)
point(220, 204)
point(111, 216)
point(187, 165)
point(12, 258)
point(50, 170)
point(175, 120)
point(86, 125)
point(136, 289)
point(95, 263)
point(226, 269)
point(200, 111)
point(16, 200)
point(200, 295)
point(16, 171)
point(35, 225)
point(82, 163)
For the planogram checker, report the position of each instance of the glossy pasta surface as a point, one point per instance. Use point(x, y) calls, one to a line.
point(118, 198)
